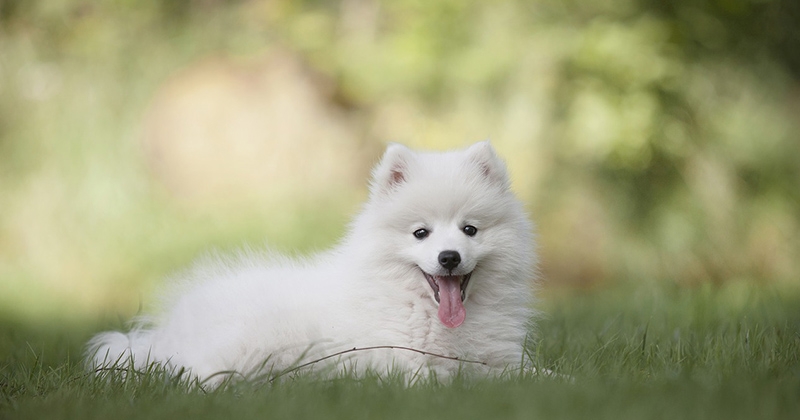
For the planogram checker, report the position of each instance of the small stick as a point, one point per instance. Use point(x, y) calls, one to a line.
point(355, 349)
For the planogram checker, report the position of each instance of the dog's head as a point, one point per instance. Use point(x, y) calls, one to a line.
point(452, 220)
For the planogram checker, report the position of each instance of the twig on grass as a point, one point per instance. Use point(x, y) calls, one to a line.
point(355, 349)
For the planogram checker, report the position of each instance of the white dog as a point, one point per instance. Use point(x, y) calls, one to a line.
point(438, 263)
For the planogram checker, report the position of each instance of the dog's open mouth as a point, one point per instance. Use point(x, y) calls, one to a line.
point(450, 292)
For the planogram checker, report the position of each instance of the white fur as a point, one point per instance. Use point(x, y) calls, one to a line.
point(255, 314)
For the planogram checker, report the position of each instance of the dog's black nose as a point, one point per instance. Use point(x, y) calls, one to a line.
point(449, 259)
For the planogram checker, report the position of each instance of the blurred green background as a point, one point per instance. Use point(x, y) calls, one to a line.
point(651, 141)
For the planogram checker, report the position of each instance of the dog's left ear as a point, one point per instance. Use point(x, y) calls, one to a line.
point(491, 166)
point(392, 171)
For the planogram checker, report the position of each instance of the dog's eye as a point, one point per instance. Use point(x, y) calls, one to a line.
point(470, 230)
point(421, 233)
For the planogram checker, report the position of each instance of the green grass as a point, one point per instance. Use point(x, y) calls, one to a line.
point(632, 353)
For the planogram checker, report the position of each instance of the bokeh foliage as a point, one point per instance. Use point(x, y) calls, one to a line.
point(654, 141)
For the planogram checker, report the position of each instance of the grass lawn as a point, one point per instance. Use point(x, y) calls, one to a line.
point(633, 353)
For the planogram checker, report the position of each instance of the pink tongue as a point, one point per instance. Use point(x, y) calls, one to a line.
point(451, 310)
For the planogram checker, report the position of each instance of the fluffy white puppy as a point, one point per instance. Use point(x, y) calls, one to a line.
point(440, 260)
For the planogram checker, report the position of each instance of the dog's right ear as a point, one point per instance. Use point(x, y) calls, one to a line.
point(392, 171)
point(491, 166)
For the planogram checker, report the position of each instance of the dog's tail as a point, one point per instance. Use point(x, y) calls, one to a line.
point(114, 351)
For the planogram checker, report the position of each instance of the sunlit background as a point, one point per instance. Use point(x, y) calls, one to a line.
point(651, 143)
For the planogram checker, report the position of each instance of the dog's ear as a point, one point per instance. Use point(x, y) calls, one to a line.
point(492, 167)
point(392, 171)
